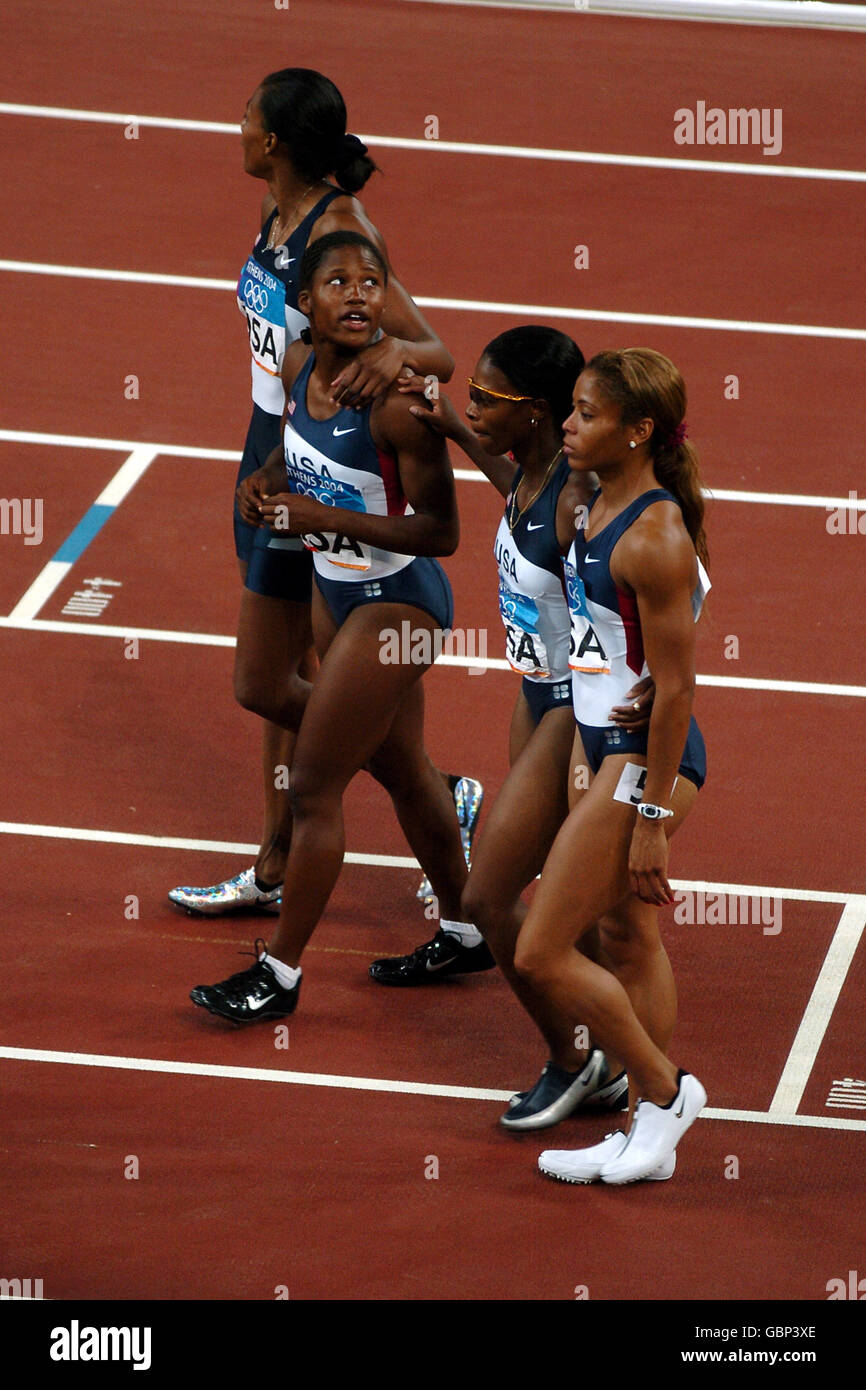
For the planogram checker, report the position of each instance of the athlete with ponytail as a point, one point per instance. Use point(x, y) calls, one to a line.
point(294, 138)
point(635, 584)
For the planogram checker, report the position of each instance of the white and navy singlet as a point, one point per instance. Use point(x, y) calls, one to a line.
point(267, 297)
point(532, 601)
point(606, 652)
point(337, 462)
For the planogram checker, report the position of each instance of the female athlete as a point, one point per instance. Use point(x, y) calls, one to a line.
point(373, 496)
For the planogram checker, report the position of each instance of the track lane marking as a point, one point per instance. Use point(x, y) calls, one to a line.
point(819, 1010)
point(473, 306)
point(479, 664)
point(378, 1085)
point(101, 511)
point(399, 142)
point(466, 475)
point(388, 861)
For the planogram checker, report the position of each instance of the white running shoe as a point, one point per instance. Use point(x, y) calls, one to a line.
point(233, 895)
point(585, 1165)
point(655, 1132)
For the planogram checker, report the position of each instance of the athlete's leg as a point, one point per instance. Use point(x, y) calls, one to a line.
point(585, 878)
point(349, 713)
point(517, 838)
point(423, 802)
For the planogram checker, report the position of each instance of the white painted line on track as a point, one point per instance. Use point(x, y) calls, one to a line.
point(461, 147)
point(819, 1010)
point(478, 664)
point(363, 1083)
point(54, 572)
point(474, 306)
point(390, 861)
point(464, 475)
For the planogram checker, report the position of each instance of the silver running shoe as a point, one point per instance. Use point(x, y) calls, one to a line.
point(468, 795)
point(233, 895)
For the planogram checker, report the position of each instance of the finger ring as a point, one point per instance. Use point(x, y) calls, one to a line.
point(636, 704)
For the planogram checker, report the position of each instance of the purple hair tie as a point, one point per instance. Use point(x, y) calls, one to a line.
point(678, 436)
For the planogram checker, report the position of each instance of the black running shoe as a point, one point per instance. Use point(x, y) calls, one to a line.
point(556, 1094)
point(443, 956)
point(250, 995)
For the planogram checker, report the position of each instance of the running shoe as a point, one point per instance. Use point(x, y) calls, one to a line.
point(468, 795)
point(585, 1165)
point(556, 1094)
point(609, 1092)
point(251, 995)
point(655, 1132)
point(437, 959)
point(233, 895)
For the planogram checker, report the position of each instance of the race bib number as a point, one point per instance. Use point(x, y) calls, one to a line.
point(524, 648)
point(339, 550)
point(262, 301)
point(585, 650)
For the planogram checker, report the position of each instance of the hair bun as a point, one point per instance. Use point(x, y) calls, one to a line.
point(350, 148)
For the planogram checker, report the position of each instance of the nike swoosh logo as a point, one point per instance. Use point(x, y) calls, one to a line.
point(534, 526)
point(679, 1113)
point(441, 965)
point(256, 1004)
point(351, 431)
point(592, 562)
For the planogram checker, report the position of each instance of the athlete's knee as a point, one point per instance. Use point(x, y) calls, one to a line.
point(533, 961)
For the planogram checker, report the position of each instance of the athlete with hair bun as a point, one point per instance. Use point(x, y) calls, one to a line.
point(635, 582)
point(294, 138)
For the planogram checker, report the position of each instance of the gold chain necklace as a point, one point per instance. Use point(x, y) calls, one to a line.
point(273, 239)
point(512, 518)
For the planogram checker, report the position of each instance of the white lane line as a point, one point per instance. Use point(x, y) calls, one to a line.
point(474, 306)
point(819, 1010)
point(399, 142)
point(384, 861)
point(378, 1085)
point(478, 664)
point(54, 572)
point(465, 475)
point(794, 14)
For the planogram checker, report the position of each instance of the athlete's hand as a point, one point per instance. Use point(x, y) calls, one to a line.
point(369, 375)
point(249, 496)
point(648, 863)
point(435, 411)
point(636, 714)
point(290, 513)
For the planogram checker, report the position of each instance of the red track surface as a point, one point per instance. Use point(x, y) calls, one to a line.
point(157, 747)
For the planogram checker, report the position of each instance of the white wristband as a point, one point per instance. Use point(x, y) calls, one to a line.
point(651, 812)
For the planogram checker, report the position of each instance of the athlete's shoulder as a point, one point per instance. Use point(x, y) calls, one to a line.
point(391, 419)
point(346, 214)
point(656, 550)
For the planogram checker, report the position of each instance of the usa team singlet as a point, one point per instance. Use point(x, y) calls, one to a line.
point(337, 462)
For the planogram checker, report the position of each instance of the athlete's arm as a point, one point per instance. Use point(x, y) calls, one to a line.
point(438, 414)
point(427, 481)
point(655, 559)
point(270, 479)
point(409, 340)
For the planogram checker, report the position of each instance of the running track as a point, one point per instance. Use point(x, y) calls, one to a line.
point(123, 776)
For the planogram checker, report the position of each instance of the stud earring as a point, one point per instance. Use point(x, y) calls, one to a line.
point(631, 444)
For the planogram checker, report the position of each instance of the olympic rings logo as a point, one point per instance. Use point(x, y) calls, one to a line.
point(256, 297)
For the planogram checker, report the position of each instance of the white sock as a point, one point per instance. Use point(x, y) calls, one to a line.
point(466, 933)
point(287, 975)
